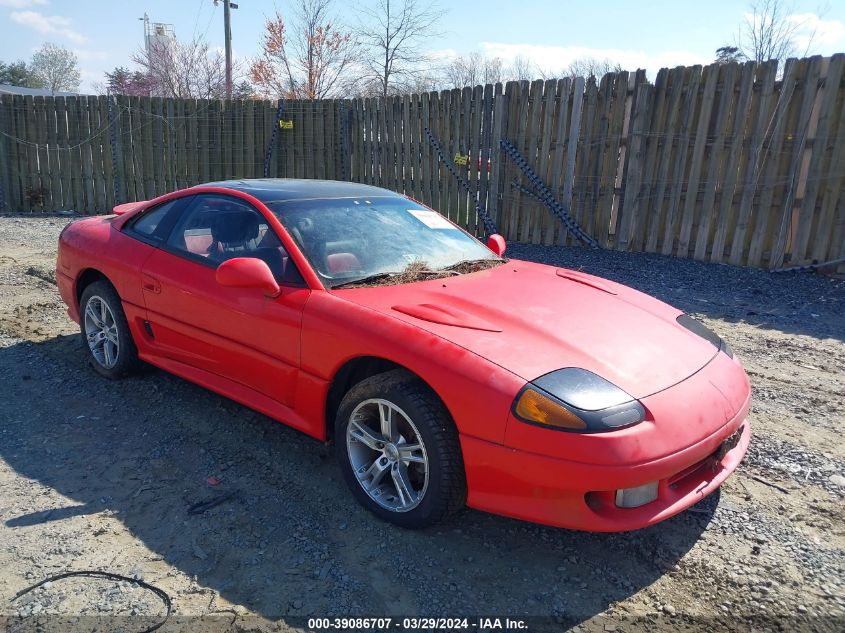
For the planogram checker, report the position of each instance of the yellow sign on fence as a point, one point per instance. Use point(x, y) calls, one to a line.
point(286, 124)
point(461, 160)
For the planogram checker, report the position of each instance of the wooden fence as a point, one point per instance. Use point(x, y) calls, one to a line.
point(90, 153)
point(731, 163)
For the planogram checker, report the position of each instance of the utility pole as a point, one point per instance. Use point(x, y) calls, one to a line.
point(227, 37)
point(227, 27)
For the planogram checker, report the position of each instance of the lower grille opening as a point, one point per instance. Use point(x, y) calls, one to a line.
point(711, 462)
point(678, 478)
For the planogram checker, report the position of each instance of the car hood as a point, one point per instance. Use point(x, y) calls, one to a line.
point(532, 319)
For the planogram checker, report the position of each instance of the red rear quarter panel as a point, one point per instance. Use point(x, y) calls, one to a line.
point(95, 243)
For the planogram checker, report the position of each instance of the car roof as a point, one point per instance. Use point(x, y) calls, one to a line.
point(280, 189)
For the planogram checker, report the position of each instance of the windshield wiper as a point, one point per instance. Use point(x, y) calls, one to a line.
point(367, 279)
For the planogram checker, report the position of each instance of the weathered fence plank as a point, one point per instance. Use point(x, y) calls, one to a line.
point(634, 173)
point(819, 157)
point(798, 130)
point(710, 78)
point(87, 134)
point(44, 198)
point(8, 151)
point(498, 130)
point(832, 182)
point(760, 117)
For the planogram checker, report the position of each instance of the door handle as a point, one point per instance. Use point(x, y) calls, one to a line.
point(150, 284)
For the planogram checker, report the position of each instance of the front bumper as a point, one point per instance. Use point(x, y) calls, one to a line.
point(577, 495)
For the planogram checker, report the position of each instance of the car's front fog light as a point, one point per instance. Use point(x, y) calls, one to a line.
point(636, 497)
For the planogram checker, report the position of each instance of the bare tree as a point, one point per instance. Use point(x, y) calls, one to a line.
point(55, 68)
point(771, 31)
point(522, 68)
point(493, 70)
point(184, 70)
point(424, 82)
point(313, 62)
point(591, 67)
point(585, 67)
point(393, 32)
point(472, 70)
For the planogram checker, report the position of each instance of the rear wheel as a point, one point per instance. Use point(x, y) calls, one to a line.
point(105, 332)
point(398, 450)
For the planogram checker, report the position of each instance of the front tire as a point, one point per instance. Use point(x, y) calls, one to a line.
point(398, 450)
point(105, 332)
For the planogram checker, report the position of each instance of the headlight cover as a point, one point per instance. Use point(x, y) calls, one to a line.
point(697, 327)
point(576, 400)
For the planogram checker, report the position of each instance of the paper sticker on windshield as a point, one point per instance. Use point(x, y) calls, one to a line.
point(431, 219)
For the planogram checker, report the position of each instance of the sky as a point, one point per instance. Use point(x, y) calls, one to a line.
point(637, 34)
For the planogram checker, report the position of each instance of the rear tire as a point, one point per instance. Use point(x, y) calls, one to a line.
point(105, 332)
point(399, 452)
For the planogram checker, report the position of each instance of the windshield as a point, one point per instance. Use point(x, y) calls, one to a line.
point(390, 239)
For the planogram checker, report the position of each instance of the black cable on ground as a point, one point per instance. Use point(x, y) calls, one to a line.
point(544, 195)
point(489, 225)
point(108, 576)
point(809, 267)
point(202, 506)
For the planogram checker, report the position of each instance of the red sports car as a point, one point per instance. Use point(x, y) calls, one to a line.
point(445, 374)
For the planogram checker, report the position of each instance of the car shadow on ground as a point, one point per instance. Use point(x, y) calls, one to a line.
point(288, 540)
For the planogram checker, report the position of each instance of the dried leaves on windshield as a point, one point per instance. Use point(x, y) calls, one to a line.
point(473, 267)
point(419, 271)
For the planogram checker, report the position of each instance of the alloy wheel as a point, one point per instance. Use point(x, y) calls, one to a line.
point(101, 332)
point(387, 455)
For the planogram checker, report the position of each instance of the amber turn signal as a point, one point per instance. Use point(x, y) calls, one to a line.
point(533, 406)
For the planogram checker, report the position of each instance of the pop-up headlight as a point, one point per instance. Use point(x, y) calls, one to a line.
point(698, 328)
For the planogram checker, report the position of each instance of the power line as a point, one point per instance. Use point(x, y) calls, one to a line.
point(210, 20)
point(197, 20)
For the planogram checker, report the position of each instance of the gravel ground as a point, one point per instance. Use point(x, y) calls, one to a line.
point(100, 475)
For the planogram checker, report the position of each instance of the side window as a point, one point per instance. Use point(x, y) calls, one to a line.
point(151, 223)
point(217, 228)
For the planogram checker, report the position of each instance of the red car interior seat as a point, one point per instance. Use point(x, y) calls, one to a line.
point(342, 262)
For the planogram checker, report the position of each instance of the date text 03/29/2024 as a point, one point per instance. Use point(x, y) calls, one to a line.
point(417, 623)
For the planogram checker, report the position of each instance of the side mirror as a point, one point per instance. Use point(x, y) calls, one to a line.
point(248, 272)
point(496, 243)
